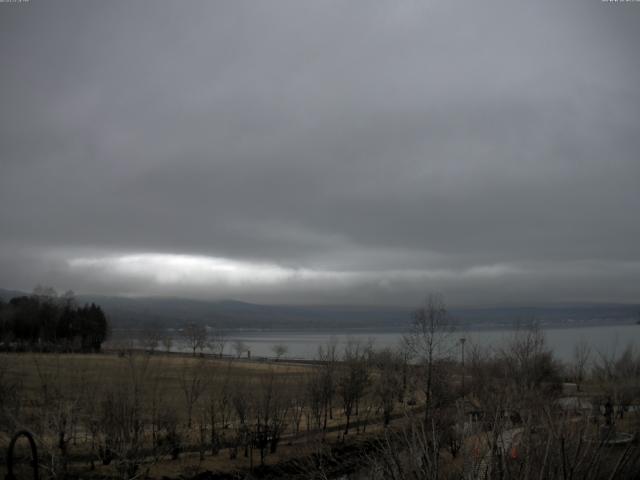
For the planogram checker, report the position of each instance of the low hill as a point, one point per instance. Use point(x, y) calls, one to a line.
point(125, 312)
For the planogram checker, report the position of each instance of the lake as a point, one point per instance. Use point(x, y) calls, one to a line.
point(562, 340)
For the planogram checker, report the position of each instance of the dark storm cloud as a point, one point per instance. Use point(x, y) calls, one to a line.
point(322, 151)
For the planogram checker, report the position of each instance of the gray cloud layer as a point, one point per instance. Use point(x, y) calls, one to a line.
point(360, 152)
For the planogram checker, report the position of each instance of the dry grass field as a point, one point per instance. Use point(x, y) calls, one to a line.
point(33, 370)
point(68, 401)
point(130, 414)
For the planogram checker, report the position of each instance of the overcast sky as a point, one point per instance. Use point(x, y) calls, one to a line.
point(358, 152)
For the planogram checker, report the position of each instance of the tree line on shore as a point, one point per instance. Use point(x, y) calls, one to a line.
point(46, 321)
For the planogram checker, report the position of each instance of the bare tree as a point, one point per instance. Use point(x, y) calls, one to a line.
point(195, 336)
point(270, 411)
point(155, 402)
point(387, 381)
point(219, 405)
point(429, 340)
point(193, 383)
point(619, 377)
point(62, 392)
point(528, 362)
point(169, 439)
point(45, 293)
point(167, 341)
point(539, 443)
point(298, 399)
point(407, 453)
point(328, 358)
point(353, 380)
point(217, 342)
point(68, 299)
point(581, 357)
point(279, 350)
point(316, 398)
point(243, 404)
point(123, 421)
point(239, 347)
point(150, 337)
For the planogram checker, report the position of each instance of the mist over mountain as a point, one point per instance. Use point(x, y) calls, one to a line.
point(125, 312)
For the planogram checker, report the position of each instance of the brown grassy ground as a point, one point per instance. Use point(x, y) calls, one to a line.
point(88, 376)
point(93, 372)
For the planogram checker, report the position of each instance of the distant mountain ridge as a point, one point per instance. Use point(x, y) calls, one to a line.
point(125, 312)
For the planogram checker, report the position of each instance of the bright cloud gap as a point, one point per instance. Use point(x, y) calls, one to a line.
point(167, 269)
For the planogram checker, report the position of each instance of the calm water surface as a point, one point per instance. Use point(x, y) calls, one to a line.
point(606, 340)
